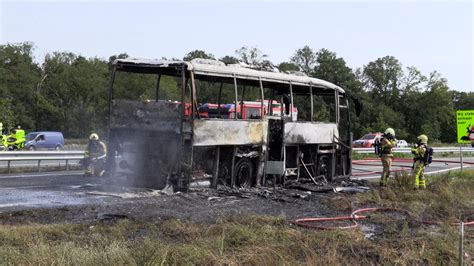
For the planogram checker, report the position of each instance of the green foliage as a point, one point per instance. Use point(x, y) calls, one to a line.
point(305, 59)
point(197, 54)
point(19, 76)
point(68, 92)
point(250, 55)
point(228, 60)
point(288, 67)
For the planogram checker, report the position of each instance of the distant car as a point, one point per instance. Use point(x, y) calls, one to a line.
point(46, 140)
point(401, 143)
point(367, 141)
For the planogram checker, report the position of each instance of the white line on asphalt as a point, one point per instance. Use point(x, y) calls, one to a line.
point(427, 173)
point(43, 174)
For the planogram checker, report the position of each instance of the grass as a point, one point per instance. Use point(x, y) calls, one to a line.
point(260, 240)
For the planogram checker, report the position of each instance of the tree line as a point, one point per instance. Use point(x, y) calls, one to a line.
point(68, 92)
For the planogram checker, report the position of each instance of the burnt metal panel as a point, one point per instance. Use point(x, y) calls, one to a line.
point(229, 132)
point(309, 133)
point(156, 116)
point(275, 167)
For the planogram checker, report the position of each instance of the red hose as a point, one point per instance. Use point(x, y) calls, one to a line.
point(305, 222)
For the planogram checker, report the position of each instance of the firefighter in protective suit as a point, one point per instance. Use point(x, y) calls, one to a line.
point(387, 143)
point(94, 156)
point(419, 153)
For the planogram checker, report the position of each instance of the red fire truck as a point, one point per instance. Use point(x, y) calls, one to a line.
point(246, 110)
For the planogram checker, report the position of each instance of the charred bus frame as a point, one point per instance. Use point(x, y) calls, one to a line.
point(235, 152)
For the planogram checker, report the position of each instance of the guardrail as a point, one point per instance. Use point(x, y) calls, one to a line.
point(13, 156)
point(408, 150)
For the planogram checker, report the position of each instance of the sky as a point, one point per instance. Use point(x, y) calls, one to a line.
point(436, 35)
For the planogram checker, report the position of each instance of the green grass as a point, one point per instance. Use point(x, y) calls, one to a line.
point(260, 240)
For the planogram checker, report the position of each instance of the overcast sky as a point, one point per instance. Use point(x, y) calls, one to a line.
point(428, 35)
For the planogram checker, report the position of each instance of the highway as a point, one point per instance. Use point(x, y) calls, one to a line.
point(71, 188)
point(371, 168)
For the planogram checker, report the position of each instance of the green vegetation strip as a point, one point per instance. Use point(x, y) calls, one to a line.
point(260, 240)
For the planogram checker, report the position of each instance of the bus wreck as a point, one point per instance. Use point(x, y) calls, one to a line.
point(175, 122)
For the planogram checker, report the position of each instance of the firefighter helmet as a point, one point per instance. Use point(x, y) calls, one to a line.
point(390, 131)
point(423, 139)
point(94, 136)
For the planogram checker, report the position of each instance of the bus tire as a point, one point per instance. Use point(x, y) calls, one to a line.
point(244, 173)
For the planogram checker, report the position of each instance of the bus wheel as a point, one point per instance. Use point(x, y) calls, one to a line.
point(244, 173)
point(324, 167)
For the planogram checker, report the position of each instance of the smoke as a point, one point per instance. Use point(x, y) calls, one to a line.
point(145, 143)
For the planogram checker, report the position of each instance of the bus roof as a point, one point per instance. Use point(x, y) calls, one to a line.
point(219, 69)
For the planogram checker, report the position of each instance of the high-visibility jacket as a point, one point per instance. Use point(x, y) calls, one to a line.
point(419, 152)
point(95, 149)
point(387, 146)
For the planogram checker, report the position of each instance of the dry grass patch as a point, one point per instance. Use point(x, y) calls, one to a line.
point(260, 240)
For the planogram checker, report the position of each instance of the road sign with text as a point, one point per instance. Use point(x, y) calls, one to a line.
point(465, 125)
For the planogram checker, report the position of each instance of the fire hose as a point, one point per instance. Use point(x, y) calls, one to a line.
point(353, 217)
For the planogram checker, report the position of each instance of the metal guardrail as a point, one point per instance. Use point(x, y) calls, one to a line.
point(408, 150)
point(13, 156)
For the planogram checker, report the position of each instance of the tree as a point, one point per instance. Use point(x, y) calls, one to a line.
point(228, 60)
point(74, 95)
point(382, 78)
point(331, 68)
point(288, 67)
point(305, 59)
point(19, 76)
point(115, 57)
point(198, 54)
point(463, 100)
point(250, 55)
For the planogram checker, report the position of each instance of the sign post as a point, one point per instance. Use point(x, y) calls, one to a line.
point(465, 129)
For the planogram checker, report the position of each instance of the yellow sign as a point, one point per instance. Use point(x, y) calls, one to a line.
point(465, 125)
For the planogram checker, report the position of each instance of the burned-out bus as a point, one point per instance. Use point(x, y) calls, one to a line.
point(175, 122)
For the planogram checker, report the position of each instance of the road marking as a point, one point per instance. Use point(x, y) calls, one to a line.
point(426, 173)
point(72, 173)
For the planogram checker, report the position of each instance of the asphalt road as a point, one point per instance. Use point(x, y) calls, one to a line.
point(57, 189)
point(372, 168)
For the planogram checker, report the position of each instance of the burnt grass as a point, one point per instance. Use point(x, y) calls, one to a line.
point(249, 227)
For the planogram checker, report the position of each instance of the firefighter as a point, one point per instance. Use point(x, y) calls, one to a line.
point(95, 151)
point(387, 143)
point(419, 155)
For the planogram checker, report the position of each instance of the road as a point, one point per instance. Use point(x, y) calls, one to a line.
point(371, 168)
point(56, 189)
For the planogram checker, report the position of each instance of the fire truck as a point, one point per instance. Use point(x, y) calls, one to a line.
point(247, 110)
point(219, 133)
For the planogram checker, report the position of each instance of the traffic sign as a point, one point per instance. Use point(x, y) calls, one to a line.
point(465, 125)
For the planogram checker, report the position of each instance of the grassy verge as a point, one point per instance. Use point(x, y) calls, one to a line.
point(258, 240)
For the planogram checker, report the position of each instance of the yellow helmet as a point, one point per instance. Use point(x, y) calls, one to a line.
point(390, 131)
point(94, 136)
point(423, 139)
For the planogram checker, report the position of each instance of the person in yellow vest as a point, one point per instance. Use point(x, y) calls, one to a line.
point(419, 154)
point(387, 143)
point(95, 150)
